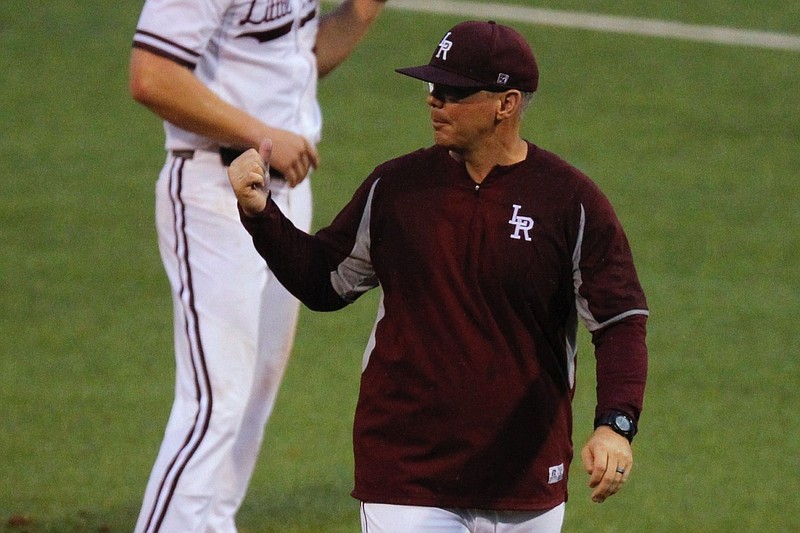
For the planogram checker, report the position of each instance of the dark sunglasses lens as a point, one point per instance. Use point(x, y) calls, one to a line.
point(449, 93)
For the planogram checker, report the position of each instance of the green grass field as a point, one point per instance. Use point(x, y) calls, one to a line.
point(697, 145)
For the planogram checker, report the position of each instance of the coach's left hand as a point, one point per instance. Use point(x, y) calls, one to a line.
point(607, 458)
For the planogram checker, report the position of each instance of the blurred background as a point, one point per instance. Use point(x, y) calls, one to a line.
point(696, 143)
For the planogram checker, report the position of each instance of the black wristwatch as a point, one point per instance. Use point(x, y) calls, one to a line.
point(619, 422)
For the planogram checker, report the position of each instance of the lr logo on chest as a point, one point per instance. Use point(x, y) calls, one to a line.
point(522, 225)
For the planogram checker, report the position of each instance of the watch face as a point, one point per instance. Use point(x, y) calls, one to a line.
point(623, 423)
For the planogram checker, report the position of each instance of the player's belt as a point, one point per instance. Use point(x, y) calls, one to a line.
point(227, 155)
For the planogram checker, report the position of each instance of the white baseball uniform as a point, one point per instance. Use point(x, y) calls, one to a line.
point(234, 323)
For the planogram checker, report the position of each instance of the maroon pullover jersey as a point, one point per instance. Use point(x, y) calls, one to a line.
point(468, 377)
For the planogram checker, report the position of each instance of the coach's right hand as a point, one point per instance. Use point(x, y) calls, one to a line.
point(249, 177)
point(293, 155)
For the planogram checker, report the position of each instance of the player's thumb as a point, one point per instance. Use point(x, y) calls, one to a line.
point(265, 149)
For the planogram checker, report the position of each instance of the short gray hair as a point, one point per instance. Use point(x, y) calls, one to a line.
point(527, 98)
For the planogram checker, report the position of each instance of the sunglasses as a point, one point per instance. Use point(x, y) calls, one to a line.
point(448, 93)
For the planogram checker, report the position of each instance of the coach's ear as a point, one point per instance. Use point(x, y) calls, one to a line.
point(508, 104)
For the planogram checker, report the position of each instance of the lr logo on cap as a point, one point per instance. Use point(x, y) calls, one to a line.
point(521, 224)
point(444, 46)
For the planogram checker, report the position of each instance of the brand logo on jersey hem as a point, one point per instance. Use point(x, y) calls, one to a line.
point(556, 474)
point(522, 225)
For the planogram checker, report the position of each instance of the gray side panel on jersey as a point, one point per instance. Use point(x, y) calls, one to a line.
point(571, 338)
point(581, 304)
point(355, 275)
point(371, 343)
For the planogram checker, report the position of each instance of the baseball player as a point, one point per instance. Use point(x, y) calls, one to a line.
point(223, 75)
point(487, 249)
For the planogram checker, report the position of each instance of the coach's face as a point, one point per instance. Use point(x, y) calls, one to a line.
point(463, 118)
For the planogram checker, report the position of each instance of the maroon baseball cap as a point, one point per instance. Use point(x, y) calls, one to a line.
point(480, 54)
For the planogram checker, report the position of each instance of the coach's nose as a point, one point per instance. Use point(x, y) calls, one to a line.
point(434, 102)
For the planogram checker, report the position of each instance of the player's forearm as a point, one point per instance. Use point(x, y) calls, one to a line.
point(342, 29)
point(173, 93)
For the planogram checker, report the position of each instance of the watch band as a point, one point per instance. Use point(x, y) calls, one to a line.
point(619, 422)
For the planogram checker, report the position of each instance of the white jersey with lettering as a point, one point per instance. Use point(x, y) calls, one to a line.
point(256, 55)
point(234, 323)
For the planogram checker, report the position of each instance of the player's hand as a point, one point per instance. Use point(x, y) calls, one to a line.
point(249, 177)
point(604, 456)
point(292, 155)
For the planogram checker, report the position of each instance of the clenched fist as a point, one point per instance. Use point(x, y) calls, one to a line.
point(249, 177)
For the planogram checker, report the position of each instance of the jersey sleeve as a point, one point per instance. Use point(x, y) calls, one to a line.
point(621, 361)
point(612, 304)
point(178, 29)
point(325, 271)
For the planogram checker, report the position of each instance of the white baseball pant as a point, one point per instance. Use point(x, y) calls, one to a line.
point(234, 328)
point(384, 518)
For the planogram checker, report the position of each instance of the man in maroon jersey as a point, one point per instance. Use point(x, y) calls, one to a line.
point(487, 250)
